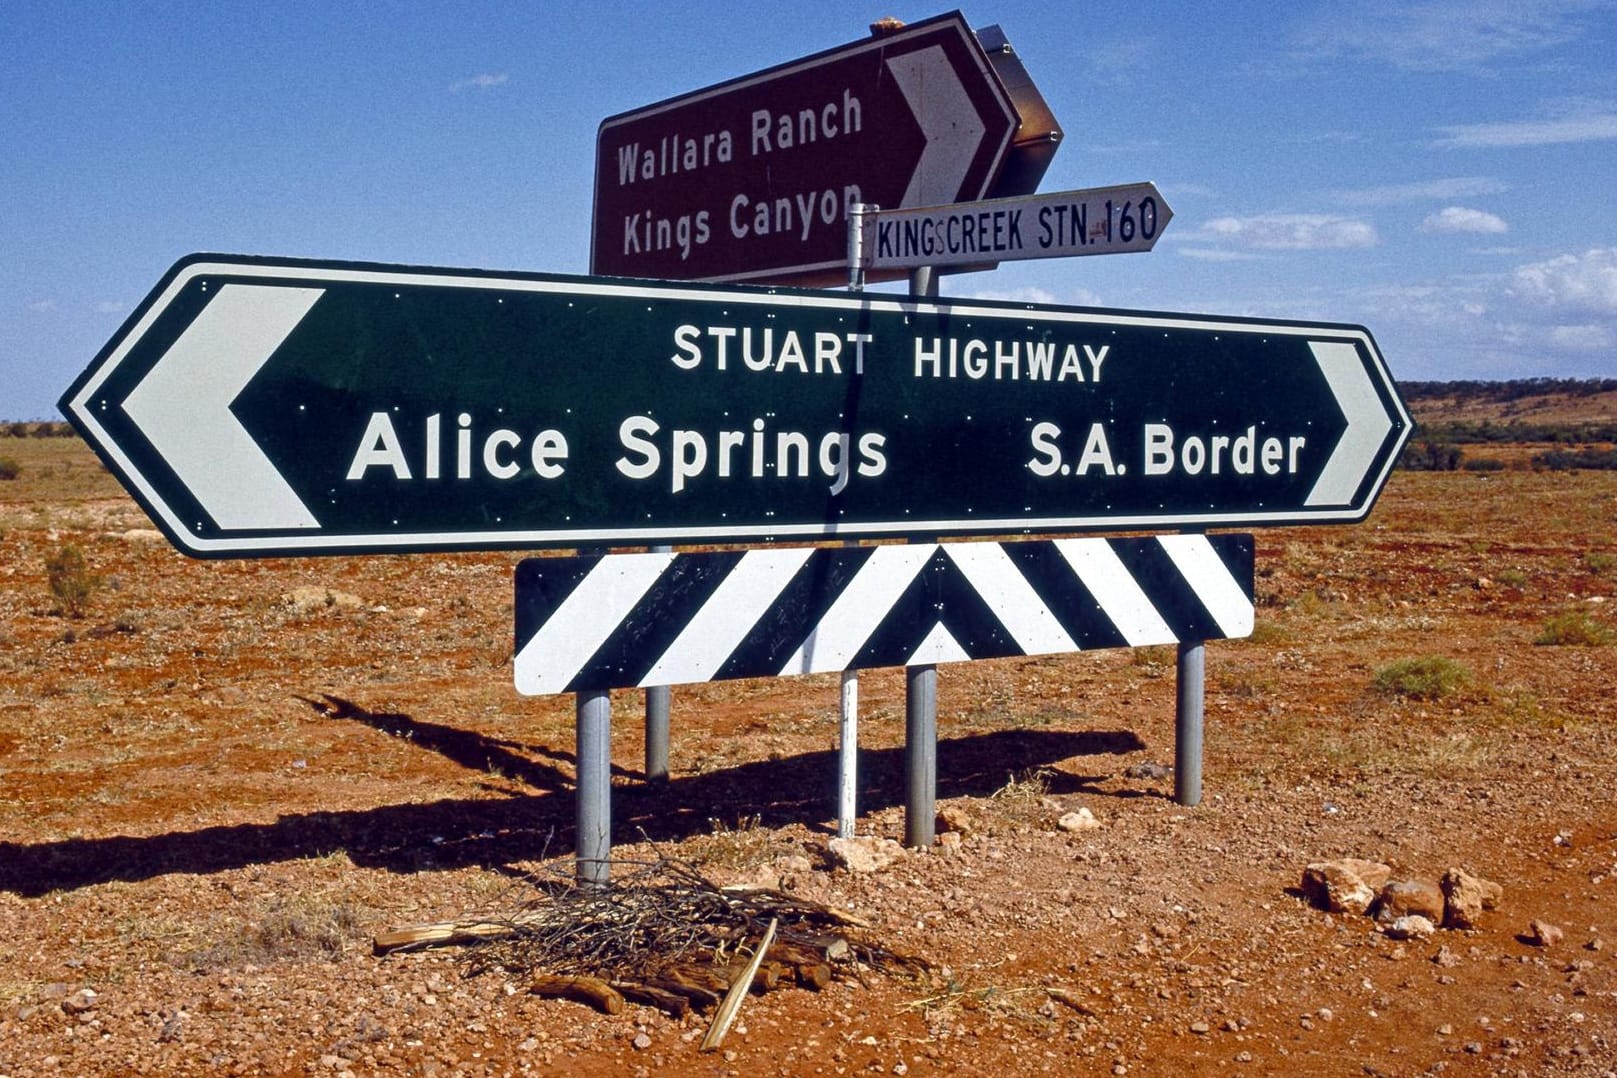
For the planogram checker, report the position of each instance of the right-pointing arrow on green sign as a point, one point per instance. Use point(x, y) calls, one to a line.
point(1368, 423)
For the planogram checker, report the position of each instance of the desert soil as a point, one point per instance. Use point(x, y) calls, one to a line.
point(197, 845)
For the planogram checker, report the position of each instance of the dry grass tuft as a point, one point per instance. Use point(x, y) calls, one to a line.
point(1431, 677)
point(1574, 629)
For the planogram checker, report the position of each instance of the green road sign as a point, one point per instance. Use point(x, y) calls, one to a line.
point(264, 407)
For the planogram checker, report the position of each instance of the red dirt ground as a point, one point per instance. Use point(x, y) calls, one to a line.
point(188, 832)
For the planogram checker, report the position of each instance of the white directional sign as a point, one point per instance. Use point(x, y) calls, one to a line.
point(1097, 221)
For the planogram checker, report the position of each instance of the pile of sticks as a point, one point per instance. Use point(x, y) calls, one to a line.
point(661, 935)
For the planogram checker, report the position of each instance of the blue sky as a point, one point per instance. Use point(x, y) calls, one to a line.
point(1444, 173)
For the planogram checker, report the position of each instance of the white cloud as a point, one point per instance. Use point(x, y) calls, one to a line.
point(1215, 254)
point(1585, 283)
point(1081, 297)
point(42, 306)
point(1442, 190)
point(479, 82)
point(1555, 317)
point(1580, 122)
point(1137, 146)
point(1123, 63)
point(1452, 219)
point(1450, 35)
point(111, 306)
point(1586, 338)
point(1291, 232)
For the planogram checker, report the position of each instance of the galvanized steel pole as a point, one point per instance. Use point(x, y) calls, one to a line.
point(658, 700)
point(848, 754)
point(593, 847)
point(921, 696)
point(1187, 760)
point(848, 698)
point(920, 755)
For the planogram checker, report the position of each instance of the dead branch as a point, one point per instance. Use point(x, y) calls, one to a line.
point(738, 991)
point(592, 990)
point(659, 933)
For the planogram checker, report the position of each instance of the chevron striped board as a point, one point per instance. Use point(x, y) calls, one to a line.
point(627, 620)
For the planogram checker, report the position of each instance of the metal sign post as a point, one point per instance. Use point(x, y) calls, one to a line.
point(593, 808)
point(1188, 699)
point(921, 695)
point(848, 694)
point(659, 699)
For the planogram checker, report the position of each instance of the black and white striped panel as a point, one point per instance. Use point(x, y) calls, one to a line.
point(623, 620)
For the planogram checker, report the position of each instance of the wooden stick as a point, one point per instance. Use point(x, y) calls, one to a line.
point(813, 975)
point(697, 995)
point(442, 932)
point(808, 964)
point(592, 990)
point(738, 991)
point(670, 1003)
point(1062, 995)
point(702, 978)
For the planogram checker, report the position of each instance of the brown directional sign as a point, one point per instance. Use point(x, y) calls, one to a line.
point(751, 180)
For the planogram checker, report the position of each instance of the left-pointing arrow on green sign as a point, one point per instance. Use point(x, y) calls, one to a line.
point(183, 406)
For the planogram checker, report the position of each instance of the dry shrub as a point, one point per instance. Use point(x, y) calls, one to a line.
point(745, 845)
point(1573, 629)
point(1431, 677)
point(284, 930)
point(70, 580)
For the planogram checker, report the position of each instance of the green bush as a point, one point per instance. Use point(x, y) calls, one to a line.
point(1573, 629)
point(70, 580)
point(9, 468)
point(1591, 458)
point(1428, 678)
point(1431, 457)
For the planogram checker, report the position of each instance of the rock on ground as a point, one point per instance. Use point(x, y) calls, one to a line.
point(1465, 897)
point(1346, 885)
point(1404, 898)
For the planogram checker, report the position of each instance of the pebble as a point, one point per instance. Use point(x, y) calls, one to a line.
point(79, 1002)
point(865, 854)
point(1544, 934)
point(1081, 820)
point(1411, 927)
